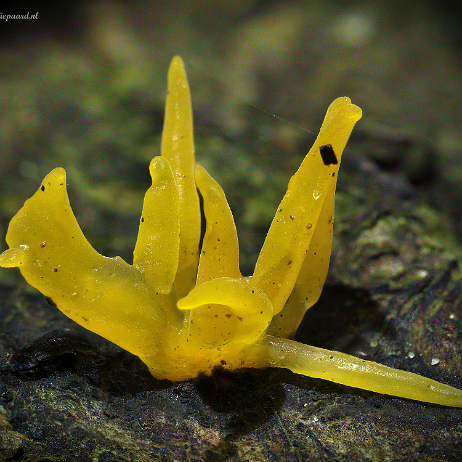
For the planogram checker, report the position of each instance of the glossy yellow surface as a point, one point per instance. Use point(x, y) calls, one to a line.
point(185, 310)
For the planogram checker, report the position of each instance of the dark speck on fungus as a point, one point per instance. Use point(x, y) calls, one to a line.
point(328, 154)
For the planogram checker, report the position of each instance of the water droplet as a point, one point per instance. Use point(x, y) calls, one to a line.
point(316, 194)
point(422, 273)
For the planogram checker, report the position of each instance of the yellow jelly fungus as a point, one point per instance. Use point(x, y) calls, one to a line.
point(185, 310)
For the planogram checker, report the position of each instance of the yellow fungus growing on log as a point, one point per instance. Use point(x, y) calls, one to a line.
point(185, 310)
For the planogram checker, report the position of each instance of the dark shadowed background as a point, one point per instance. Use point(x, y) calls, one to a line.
point(83, 87)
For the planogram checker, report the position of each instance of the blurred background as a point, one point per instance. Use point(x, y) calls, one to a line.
point(83, 87)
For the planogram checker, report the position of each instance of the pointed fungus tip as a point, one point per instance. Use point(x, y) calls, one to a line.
point(58, 174)
point(177, 64)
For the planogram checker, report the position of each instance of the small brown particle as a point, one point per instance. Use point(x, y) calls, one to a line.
point(328, 154)
point(43, 244)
